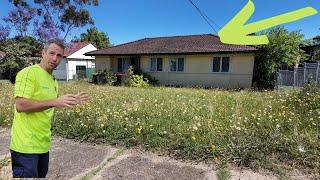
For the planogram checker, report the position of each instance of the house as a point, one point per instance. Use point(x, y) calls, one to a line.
point(313, 50)
point(75, 64)
point(194, 60)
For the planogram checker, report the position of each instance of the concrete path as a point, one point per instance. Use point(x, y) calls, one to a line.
point(74, 160)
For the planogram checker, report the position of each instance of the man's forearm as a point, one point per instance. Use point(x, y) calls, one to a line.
point(28, 105)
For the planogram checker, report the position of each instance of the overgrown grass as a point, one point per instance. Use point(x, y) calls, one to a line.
point(253, 129)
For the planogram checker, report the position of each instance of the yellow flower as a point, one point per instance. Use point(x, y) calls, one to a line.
point(139, 130)
point(77, 109)
point(213, 147)
point(193, 138)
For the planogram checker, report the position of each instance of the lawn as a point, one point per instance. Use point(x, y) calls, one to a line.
point(271, 129)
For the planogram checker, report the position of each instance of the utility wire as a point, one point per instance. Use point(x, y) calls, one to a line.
point(205, 17)
point(308, 3)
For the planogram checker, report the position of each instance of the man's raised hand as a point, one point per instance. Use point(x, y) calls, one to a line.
point(82, 97)
point(67, 100)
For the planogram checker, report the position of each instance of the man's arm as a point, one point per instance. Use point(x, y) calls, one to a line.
point(28, 105)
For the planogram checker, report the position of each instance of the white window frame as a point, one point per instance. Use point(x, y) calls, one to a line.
point(220, 68)
point(176, 58)
point(156, 58)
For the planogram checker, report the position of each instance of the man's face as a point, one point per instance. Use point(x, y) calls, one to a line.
point(52, 56)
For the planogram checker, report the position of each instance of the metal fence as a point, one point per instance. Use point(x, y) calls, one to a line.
point(309, 73)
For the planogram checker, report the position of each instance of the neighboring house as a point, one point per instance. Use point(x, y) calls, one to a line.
point(313, 51)
point(2, 54)
point(75, 64)
point(194, 60)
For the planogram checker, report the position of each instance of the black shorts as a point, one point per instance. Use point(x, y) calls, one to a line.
point(29, 165)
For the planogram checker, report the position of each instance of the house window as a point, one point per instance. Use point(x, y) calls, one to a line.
point(221, 64)
point(156, 64)
point(123, 64)
point(81, 72)
point(177, 64)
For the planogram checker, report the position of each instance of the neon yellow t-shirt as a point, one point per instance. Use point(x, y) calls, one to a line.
point(31, 132)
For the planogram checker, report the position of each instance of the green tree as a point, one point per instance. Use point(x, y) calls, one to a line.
point(283, 47)
point(98, 39)
point(53, 15)
point(21, 51)
point(31, 44)
point(16, 58)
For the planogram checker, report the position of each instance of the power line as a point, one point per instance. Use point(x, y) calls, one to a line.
point(309, 3)
point(205, 17)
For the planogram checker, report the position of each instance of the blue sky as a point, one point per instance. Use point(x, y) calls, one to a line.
point(128, 20)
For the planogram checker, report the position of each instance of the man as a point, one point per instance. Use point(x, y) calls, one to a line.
point(36, 95)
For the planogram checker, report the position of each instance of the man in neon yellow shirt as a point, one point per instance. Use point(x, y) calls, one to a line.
point(36, 95)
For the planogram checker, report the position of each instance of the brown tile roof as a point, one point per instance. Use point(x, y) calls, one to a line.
point(2, 54)
point(192, 44)
point(73, 47)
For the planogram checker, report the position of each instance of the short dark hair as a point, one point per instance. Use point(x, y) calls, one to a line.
point(57, 41)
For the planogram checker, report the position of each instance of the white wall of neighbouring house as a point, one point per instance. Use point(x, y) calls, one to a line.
point(79, 59)
point(80, 53)
point(67, 68)
point(73, 63)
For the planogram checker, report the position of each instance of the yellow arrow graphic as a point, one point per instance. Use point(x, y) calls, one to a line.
point(235, 32)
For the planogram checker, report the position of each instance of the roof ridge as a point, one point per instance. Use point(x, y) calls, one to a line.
point(156, 38)
point(120, 44)
point(183, 36)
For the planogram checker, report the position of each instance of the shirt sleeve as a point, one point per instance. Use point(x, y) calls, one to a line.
point(25, 84)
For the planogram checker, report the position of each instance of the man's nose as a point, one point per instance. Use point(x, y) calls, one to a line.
point(55, 58)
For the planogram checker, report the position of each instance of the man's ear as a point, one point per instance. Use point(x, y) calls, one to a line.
point(42, 53)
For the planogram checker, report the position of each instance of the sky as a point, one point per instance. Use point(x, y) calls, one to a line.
point(129, 20)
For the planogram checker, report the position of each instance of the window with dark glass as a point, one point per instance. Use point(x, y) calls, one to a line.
point(156, 64)
point(216, 64)
point(159, 64)
point(177, 64)
point(180, 64)
point(120, 65)
point(225, 64)
point(153, 64)
point(173, 65)
point(221, 64)
point(123, 64)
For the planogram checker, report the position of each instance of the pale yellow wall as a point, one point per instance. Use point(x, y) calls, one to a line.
point(103, 63)
point(106, 63)
point(198, 70)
